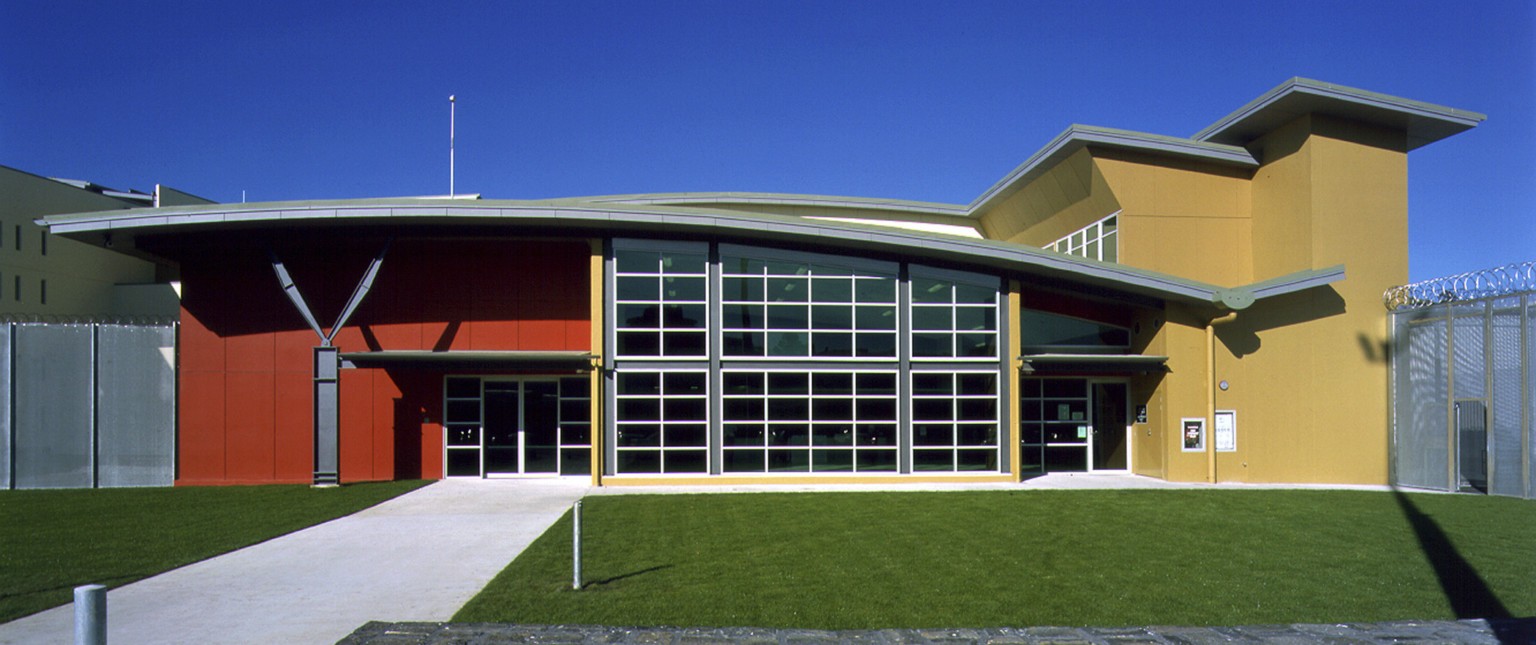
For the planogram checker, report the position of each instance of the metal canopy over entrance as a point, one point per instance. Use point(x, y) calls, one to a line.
point(1099, 363)
point(489, 360)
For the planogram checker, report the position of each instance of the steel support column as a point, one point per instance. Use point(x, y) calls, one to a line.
point(327, 416)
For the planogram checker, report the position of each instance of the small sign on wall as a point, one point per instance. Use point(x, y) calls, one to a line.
point(1194, 433)
point(1226, 431)
point(1141, 414)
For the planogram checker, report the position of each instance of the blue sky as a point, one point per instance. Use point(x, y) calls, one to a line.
point(928, 101)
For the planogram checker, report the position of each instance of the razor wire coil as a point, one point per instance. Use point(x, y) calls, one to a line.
point(1474, 285)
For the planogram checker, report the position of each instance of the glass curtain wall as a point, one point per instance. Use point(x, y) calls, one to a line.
point(737, 360)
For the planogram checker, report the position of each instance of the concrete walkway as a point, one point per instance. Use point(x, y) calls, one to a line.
point(417, 557)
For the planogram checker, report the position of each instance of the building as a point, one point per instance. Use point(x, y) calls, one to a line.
point(59, 277)
point(87, 344)
point(1194, 309)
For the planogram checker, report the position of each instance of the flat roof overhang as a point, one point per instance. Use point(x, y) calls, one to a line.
point(429, 216)
point(1098, 363)
point(1078, 137)
point(473, 360)
point(1424, 123)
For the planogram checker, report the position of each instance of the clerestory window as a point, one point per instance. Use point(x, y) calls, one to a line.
point(1097, 241)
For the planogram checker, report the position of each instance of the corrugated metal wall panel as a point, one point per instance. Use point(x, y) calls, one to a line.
point(54, 398)
point(136, 389)
point(6, 429)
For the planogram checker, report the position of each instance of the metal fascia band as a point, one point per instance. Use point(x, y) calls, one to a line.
point(988, 251)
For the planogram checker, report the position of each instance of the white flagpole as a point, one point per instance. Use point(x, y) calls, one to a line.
point(450, 144)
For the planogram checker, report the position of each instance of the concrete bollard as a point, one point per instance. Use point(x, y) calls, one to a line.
point(91, 615)
point(576, 546)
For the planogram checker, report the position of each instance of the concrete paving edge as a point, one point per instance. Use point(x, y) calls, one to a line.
point(1478, 632)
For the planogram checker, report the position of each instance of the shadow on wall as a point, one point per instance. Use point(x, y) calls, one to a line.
point(1241, 336)
point(1375, 350)
point(232, 290)
point(444, 340)
point(1468, 595)
point(420, 400)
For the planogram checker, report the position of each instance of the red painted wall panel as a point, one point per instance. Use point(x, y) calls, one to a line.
point(393, 335)
point(247, 355)
point(294, 427)
point(294, 351)
point(201, 446)
point(200, 350)
point(386, 398)
point(250, 353)
point(357, 425)
point(250, 413)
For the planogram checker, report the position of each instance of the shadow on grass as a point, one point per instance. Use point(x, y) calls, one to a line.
point(1468, 594)
point(604, 581)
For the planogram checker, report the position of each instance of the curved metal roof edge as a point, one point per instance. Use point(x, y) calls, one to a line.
point(1463, 119)
point(1294, 282)
point(1077, 137)
point(778, 199)
point(602, 217)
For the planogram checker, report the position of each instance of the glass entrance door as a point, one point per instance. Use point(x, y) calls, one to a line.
point(1108, 430)
point(503, 427)
point(1072, 425)
point(511, 427)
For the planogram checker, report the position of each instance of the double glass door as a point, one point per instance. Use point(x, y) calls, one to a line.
point(1073, 425)
point(512, 427)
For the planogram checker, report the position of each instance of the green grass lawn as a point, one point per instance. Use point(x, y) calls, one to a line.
point(1006, 558)
point(54, 540)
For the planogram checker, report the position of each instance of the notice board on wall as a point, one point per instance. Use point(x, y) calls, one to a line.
point(1226, 430)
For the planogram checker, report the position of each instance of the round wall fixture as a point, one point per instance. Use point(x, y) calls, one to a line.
point(1223, 385)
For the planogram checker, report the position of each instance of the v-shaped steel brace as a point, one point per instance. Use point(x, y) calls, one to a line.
point(327, 366)
point(363, 286)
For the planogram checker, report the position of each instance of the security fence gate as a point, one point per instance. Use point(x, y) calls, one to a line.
point(87, 404)
point(1463, 391)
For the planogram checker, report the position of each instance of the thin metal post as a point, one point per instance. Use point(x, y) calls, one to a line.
point(91, 615)
point(576, 545)
point(451, 111)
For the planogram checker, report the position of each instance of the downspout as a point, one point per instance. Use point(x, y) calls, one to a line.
point(1210, 394)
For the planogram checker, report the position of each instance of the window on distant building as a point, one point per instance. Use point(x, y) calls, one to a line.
point(1096, 241)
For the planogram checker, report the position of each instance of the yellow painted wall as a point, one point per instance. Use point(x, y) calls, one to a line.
point(1149, 449)
point(1187, 220)
point(1307, 377)
point(1066, 198)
